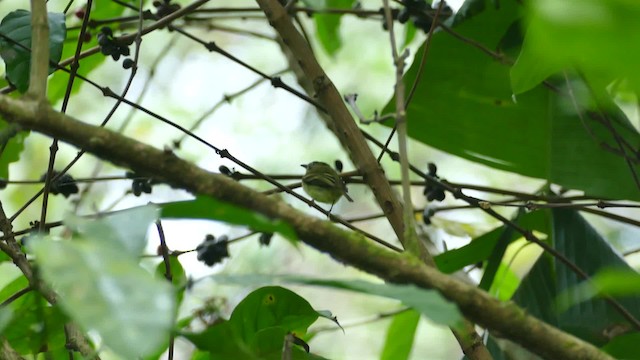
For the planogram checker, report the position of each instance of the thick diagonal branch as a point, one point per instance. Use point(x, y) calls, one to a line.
point(505, 319)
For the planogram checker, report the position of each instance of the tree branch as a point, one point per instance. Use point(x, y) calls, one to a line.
point(503, 319)
point(339, 120)
point(39, 50)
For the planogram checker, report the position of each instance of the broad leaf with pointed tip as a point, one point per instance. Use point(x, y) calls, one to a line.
point(17, 27)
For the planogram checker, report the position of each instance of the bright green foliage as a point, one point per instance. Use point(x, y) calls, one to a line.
point(102, 287)
point(581, 244)
point(428, 302)
point(258, 326)
point(204, 207)
point(400, 336)
point(624, 347)
point(124, 230)
point(178, 276)
point(11, 144)
point(481, 248)
point(58, 83)
point(599, 37)
point(328, 25)
point(466, 108)
point(17, 27)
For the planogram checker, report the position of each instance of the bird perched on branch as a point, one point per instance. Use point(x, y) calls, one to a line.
point(323, 183)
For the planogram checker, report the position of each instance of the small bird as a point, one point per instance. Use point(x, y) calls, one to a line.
point(323, 183)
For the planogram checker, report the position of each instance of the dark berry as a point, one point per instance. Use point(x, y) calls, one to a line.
point(80, 13)
point(422, 23)
point(403, 16)
point(136, 188)
point(426, 215)
point(225, 170)
point(212, 251)
point(127, 63)
point(64, 184)
point(338, 164)
point(432, 169)
point(107, 31)
point(265, 239)
point(146, 187)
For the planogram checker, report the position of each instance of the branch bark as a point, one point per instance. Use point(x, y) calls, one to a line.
point(340, 120)
point(503, 319)
point(39, 50)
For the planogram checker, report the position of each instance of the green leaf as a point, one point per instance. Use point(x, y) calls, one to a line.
point(616, 282)
point(428, 302)
point(204, 207)
point(495, 259)
point(480, 248)
point(58, 83)
point(529, 71)
point(328, 25)
point(178, 276)
point(104, 291)
point(409, 33)
point(25, 332)
point(596, 36)
point(126, 230)
point(11, 146)
point(272, 306)
point(6, 314)
point(400, 336)
point(609, 282)
point(221, 342)
point(467, 109)
point(505, 283)
point(581, 244)
point(258, 325)
point(624, 347)
point(17, 26)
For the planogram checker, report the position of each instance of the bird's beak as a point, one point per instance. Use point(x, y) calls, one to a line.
point(304, 166)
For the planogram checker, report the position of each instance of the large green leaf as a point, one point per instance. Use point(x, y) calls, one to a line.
point(258, 325)
point(465, 107)
point(17, 26)
point(204, 207)
point(102, 287)
point(400, 336)
point(481, 248)
point(428, 302)
point(597, 36)
point(24, 330)
point(624, 347)
point(124, 230)
point(581, 244)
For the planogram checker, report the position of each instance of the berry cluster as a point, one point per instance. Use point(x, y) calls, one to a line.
point(140, 184)
point(419, 12)
point(64, 184)
point(114, 47)
point(212, 251)
point(165, 8)
point(430, 191)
